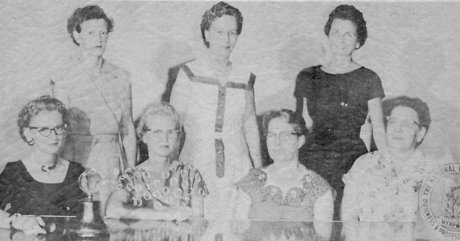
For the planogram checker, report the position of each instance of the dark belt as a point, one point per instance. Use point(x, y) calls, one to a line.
point(219, 144)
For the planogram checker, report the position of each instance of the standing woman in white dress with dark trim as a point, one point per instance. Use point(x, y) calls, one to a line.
point(215, 99)
point(98, 96)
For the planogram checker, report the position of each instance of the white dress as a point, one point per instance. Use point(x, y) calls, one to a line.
point(214, 112)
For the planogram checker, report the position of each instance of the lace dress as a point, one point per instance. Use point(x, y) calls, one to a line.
point(269, 203)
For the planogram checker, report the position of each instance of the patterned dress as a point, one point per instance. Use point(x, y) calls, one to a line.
point(214, 112)
point(384, 191)
point(268, 202)
point(173, 187)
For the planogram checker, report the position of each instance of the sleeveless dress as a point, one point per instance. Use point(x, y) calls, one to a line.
point(96, 109)
point(337, 104)
point(23, 194)
point(268, 202)
point(213, 117)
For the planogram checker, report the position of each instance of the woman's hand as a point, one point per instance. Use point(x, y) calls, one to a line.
point(182, 213)
point(28, 224)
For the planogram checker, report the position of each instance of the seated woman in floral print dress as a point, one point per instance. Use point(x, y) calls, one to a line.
point(159, 188)
point(284, 190)
point(383, 186)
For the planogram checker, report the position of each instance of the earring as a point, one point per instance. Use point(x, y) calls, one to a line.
point(31, 141)
point(357, 46)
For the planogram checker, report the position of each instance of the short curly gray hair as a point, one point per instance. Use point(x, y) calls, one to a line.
point(34, 107)
point(161, 109)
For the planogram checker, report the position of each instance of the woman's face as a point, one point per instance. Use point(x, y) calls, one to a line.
point(93, 36)
point(403, 130)
point(282, 141)
point(161, 136)
point(46, 129)
point(222, 35)
point(343, 38)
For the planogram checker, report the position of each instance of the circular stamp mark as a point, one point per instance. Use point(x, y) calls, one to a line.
point(440, 201)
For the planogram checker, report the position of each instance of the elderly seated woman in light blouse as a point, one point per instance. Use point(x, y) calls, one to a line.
point(284, 190)
point(383, 186)
point(161, 188)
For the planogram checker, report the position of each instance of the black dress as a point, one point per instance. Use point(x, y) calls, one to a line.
point(24, 195)
point(338, 106)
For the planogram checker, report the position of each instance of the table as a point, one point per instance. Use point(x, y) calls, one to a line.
point(65, 228)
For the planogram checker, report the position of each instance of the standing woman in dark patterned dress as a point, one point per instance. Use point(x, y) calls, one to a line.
point(335, 99)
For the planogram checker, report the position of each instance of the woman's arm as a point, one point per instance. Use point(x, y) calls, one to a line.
point(323, 213)
point(324, 207)
point(378, 129)
point(28, 223)
point(251, 130)
point(180, 94)
point(116, 208)
point(350, 202)
point(302, 108)
point(243, 202)
point(197, 207)
point(129, 135)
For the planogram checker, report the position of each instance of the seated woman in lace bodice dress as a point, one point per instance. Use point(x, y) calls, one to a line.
point(284, 190)
point(159, 188)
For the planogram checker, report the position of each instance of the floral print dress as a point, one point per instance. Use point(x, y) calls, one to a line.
point(173, 187)
point(383, 190)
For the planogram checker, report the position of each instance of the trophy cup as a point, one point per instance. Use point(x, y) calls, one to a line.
point(90, 221)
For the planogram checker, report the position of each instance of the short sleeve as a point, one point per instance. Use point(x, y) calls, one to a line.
point(198, 184)
point(304, 82)
point(180, 93)
point(252, 182)
point(316, 185)
point(375, 89)
point(132, 180)
point(358, 170)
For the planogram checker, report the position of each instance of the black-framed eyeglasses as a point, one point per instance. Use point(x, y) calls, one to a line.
point(45, 131)
point(157, 133)
point(404, 124)
point(284, 135)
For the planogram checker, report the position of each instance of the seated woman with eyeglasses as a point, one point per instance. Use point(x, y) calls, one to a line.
point(41, 183)
point(284, 190)
point(383, 186)
point(160, 188)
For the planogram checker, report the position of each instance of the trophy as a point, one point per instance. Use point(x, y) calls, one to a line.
point(91, 223)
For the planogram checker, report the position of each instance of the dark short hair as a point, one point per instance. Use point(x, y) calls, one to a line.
point(81, 15)
point(416, 104)
point(293, 118)
point(34, 107)
point(350, 13)
point(218, 10)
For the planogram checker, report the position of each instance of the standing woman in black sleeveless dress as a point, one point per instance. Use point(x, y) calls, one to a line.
point(336, 98)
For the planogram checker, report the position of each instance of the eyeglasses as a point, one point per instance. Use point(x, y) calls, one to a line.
point(404, 124)
point(157, 133)
point(283, 136)
point(45, 131)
